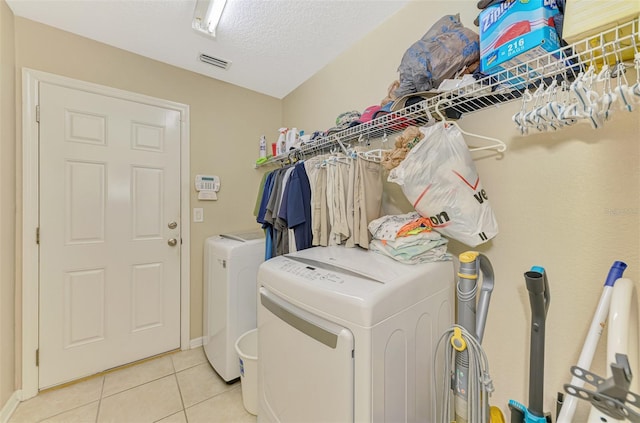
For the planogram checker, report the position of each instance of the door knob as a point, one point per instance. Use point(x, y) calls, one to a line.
point(172, 225)
point(172, 242)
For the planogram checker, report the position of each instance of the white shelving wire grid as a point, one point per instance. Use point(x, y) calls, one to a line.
point(609, 46)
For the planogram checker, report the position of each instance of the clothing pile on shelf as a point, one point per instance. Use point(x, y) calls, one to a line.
point(321, 201)
point(408, 238)
point(445, 50)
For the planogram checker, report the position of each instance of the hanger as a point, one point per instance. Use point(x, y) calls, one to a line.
point(635, 89)
point(374, 155)
point(342, 146)
point(519, 117)
point(622, 88)
point(497, 145)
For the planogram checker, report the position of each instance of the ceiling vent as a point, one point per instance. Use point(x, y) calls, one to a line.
point(215, 61)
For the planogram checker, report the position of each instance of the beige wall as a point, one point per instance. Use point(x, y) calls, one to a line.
point(568, 201)
point(7, 203)
point(226, 122)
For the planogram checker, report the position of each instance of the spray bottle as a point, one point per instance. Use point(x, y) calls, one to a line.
point(263, 146)
point(281, 145)
point(292, 138)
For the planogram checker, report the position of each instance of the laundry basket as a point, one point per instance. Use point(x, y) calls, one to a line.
point(247, 349)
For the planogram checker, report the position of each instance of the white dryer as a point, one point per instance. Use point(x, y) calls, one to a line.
point(348, 335)
point(229, 308)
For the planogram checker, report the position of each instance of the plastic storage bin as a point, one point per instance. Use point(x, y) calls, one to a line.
point(515, 32)
point(247, 349)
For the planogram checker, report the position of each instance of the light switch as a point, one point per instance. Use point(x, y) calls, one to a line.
point(198, 214)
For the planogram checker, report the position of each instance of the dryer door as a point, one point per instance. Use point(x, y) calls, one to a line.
point(305, 365)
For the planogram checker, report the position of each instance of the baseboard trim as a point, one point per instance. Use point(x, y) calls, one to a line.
point(196, 343)
point(9, 407)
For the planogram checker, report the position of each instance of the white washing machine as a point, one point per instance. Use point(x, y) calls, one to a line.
point(229, 309)
point(347, 335)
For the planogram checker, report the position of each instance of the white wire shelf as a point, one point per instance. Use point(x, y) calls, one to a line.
point(618, 44)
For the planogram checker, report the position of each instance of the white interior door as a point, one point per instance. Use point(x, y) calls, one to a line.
point(109, 214)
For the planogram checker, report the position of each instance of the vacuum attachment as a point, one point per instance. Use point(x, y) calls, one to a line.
point(539, 299)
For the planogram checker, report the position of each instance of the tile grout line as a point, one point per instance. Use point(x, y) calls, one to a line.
point(211, 397)
point(137, 386)
point(103, 385)
point(175, 375)
point(73, 408)
point(184, 408)
point(153, 379)
point(64, 411)
point(100, 399)
point(103, 375)
point(106, 372)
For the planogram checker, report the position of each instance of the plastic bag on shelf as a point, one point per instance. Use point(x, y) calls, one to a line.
point(445, 49)
point(439, 178)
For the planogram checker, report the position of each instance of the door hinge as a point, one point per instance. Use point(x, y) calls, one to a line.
point(38, 113)
point(38, 357)
point(38, 235)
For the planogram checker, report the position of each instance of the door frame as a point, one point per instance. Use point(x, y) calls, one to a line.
point(30, 210)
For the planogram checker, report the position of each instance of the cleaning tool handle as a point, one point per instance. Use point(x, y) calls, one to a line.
point(615, 272)
point(588, 351)
point(539, 299)
point(623, 295)
point(482, 309)
point(546, 293)
point(591, 342)
point(471, 315)
point(466, 290)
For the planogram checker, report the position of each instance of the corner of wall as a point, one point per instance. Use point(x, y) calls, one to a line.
point(7, 208)
point(10, 406)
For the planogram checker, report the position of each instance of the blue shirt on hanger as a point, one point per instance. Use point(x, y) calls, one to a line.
point(297, 212)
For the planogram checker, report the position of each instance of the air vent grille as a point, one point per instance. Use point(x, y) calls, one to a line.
point(215, 61)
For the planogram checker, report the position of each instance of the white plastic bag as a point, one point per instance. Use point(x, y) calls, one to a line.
point(439, 178)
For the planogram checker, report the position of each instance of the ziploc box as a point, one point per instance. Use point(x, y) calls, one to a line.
point(516, 31)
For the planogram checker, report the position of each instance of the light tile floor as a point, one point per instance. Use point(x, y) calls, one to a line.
point(176, 388)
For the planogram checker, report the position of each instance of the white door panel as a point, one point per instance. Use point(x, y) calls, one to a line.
point(84, 202)
point(109, 186)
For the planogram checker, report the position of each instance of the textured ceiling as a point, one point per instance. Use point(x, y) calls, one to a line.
point(273, 45)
